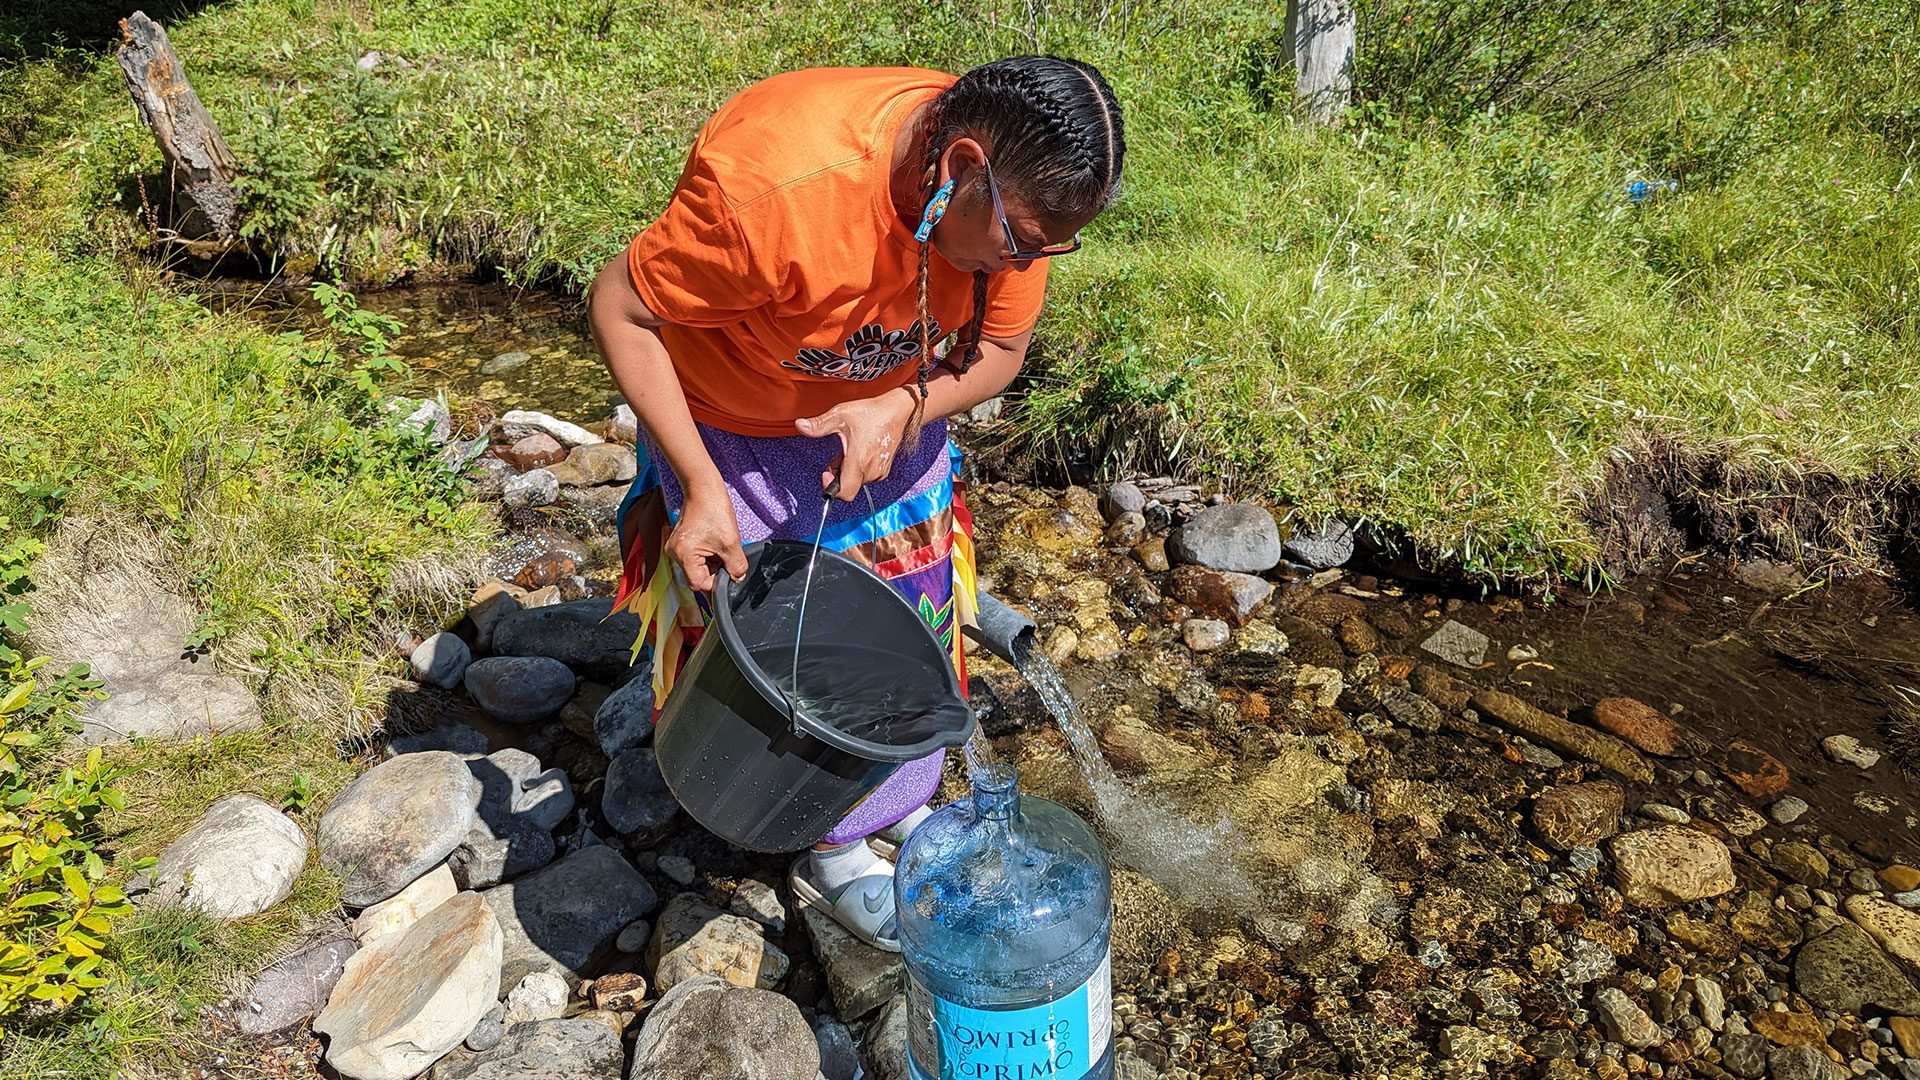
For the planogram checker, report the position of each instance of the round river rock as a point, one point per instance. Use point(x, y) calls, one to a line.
point(399, 820)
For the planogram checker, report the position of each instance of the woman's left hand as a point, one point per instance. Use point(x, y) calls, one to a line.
point(870, 430)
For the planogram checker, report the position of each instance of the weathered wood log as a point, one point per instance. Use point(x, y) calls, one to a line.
point(200, 168)
point(1319, 38)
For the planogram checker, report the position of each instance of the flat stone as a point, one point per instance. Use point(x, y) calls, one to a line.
point(490, 603)
point(1787, 809)
point(519, 689)
point(1220, 594)
point(493, 853)
point(860, 977)
point(1896, 929)
point(1847, 750)
point(1799, 861)
point(1671, 864)
point(1564, 735)
point(1843, 971)
point(1236, 537)
point(708, 1029)
point(1906, 1033)
point(1753, 770)
point(1623, 1020)
point(1578, 815)
point(1762, 926)
point(1205, 635)
point(625, 720)
point(129, 630)
point(404, 908)
point(1900, 878)
point(1323, 547)
point(1642, 725)
point(441, 660)
point(489, 1029)
point(239, 859)
point(635, 799)
point(504, 362)
point(541, 995)
point(576, 1049)
point(599, 463)
point(1803, 1063)
point(536, 488)
point(519, 423)
point(413, 996)
point(693, 938)
point(535, 451)
point(563, 918)
point(579, 634)
point(1126, 530)
point(395, 822)
point(759, 901)
point(1710, 1001)
point(1787, 1028)
point(295, 988)
point(620, 991)
point(1744, 1055)
point(1152, 554)
point(1458, 644)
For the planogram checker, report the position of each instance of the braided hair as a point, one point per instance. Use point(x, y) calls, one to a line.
point(1053, 127)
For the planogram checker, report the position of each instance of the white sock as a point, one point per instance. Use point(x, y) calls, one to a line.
point(834, 867)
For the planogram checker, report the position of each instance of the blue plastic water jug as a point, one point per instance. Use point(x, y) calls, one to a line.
point(1006, 915)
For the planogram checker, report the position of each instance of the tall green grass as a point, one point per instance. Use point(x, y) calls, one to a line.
point(1440, 323)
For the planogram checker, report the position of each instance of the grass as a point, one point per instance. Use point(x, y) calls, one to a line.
point(1444, 329)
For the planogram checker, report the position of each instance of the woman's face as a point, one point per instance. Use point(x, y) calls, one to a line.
point(970, 237)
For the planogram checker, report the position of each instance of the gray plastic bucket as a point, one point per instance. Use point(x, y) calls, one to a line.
point(736, 754)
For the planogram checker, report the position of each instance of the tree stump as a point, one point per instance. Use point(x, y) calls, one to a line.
point(1319, 39)
point(200, 168)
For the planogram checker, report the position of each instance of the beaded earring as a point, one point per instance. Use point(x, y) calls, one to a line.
point(936, 209)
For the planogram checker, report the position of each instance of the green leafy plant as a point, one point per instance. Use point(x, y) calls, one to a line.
point(299, 794)
point(372, 333)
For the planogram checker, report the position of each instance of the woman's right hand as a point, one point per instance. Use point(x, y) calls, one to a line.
point(706, 537)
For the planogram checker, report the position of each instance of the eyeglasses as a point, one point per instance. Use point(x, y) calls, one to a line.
point(1013, 247)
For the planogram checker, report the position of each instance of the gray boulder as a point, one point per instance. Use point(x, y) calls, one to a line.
point(1237, 537)
point(542, 1050)
point(707, 1028)
point(295, 988)
point(564, 918)
point(519, 689)
point(635, 799)
point(578, 634)
point(399, 820)
point(239, 859)
point(625, 720)
point(536, 488)
point(1323, 548)
point(441, 660)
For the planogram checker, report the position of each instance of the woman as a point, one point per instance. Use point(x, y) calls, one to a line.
point(774, 332)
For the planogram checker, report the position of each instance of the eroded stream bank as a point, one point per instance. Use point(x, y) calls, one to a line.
point(1607, 835)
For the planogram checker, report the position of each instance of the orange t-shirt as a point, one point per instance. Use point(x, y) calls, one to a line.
point(787, 282)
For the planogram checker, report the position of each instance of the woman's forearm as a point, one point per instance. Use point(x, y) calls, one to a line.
point(629, 338)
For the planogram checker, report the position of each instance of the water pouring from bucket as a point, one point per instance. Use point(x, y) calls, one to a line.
point(769, 749)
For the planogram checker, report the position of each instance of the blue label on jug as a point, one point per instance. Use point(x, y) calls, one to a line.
point(1062, 1039)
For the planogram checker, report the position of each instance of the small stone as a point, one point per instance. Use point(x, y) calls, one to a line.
point(1732, 815)
point(625, 719)
point(1124, 498)
point(519, 423)
point(441, 660)
point(1784, 1028)
point(1152, 553)
point(839, 1053)
point(1800, 862)
point(707, 1029)
point(1520, 654)
point(541, 995)
point(396, 822)
point(1623, 1020)
point(489, 1029)
point(693, 938)
point(1802, 1063)
point(1787, 809)
point(1238, 537)
point(758, 901)
point(1220, 594)
point(505, 362)
point(598, 463)
point(635, 799)
point(678, 868)
point(1753, 770)
point(1906, 1032)
point(1671, 864)
point(535, 451)
point(238, 860)
point(548, 569)
point(536, 488)
point(1847, 750)
point(1744, 1055)
point(633, 936)
point(860, 977)
point(1126, 530)
point(619, 991)
point(519, 689)
point(1458, 644)
point(1900, 878)
point(1323, 547)
point(1205, 635)
point(1672, 815)
point(1260, 638)
point(295, 988)
point(1642, 725)
point(1874, 803)
point(1710, 1000)
point(1409, 708)
point(428, 417)
point(623, 426)
point(1577, 815)
point(489, 604)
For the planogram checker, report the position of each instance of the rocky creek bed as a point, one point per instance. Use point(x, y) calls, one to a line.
point(1363, 829)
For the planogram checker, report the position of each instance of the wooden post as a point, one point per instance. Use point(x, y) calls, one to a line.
point(1319, 36)
point(199, 166)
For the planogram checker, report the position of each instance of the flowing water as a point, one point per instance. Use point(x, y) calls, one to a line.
point(800, 624)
